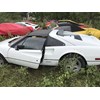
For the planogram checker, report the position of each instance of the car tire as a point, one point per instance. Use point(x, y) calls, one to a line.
point(74, 62)
point(2, 61)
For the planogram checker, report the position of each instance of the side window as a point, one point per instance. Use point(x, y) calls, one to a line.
point(35, 43)
point(53, 42)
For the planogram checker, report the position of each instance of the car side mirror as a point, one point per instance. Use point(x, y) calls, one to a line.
point(19, 47)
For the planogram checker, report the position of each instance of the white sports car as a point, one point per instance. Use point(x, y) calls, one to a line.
point(46, 47)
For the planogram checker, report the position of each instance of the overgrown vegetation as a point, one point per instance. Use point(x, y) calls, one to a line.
point(18, 76)
point(91, 18)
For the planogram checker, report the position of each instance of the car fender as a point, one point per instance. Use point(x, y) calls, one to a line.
point(73, 52)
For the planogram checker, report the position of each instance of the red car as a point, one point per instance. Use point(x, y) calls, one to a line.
point(7, 29)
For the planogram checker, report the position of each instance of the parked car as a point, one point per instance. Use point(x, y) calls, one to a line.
point(78, 29)
point(7, 29)
point(82, 25)
point(68, 27)
point(46, 47)
point(34, 26)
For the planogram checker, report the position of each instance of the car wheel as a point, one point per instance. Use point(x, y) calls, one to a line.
point(73, 62)
point(2, 61)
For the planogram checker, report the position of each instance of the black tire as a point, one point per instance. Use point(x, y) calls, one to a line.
point(2, 61)
point(74, 62)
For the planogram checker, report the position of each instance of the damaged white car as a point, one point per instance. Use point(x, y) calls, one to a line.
point(46, 47)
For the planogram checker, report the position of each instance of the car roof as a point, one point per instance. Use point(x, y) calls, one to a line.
point(40, 33)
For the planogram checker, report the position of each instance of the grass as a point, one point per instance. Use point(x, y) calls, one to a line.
point(45, 76)
point(13, 75)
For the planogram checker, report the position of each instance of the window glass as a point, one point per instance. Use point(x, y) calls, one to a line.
point(77, 37)
point(53, 42)
point(75, 28)
point(35, 43)
point(13, 42)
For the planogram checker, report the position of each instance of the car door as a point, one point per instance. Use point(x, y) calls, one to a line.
point(27, 53)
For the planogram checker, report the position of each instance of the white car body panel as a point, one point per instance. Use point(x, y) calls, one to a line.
point(5, 47)
point(28, 58)
point(52, 55)
point(85, 49)
point(88, 48)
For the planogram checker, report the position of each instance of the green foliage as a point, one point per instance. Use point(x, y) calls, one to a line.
point(90, 18)
point(42, 24)
point(81, 17)
point(2, 38)
point(10, 17)
point(18, 76)
point(53, 25)
point(87, 78)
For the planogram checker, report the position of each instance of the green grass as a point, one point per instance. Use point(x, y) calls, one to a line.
point(13, 75)
point(18, 76)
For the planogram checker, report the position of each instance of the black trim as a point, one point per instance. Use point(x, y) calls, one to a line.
point(53, 42)
point(73, 26)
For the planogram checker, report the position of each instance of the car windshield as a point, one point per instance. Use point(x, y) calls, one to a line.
point(15, 40)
